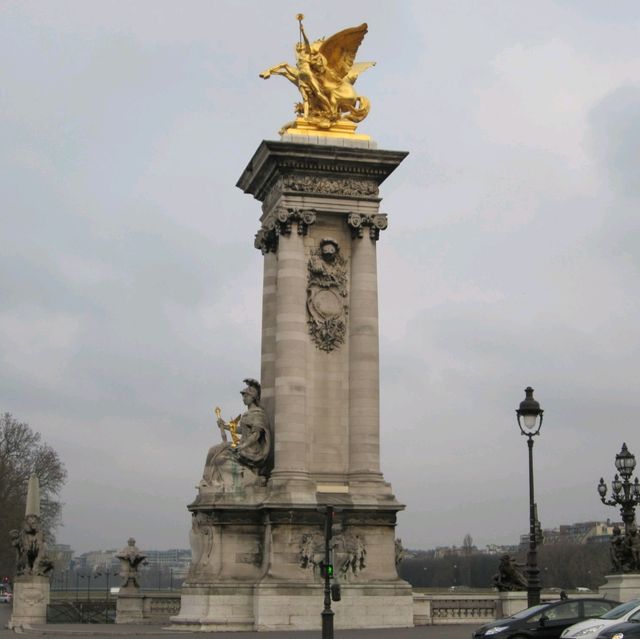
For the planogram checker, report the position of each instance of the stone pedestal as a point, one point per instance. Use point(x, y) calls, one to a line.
point(256, 549)
point(30, 600)
point(510, 602)
point(621, 587)
point(130, 606)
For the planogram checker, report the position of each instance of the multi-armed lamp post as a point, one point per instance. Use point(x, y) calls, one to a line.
point(625, 493)
point(530, 421)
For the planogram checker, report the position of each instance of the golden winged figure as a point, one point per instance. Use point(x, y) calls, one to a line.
point(325, 73)
point(231, 426)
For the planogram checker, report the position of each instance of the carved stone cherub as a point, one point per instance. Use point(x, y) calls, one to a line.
point(130, 558)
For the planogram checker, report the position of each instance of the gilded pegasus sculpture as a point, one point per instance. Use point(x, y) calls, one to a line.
point(325, 73)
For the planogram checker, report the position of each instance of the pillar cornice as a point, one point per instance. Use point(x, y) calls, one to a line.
point(375, 223)
point(316, 168)
point(279, 222)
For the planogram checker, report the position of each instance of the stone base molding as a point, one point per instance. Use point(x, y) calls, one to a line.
point(31, 596)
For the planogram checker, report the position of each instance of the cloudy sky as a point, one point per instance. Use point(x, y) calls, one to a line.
point(130, 290)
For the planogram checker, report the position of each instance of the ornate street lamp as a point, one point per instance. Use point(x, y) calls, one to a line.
point(626, 494)
point(530, 421)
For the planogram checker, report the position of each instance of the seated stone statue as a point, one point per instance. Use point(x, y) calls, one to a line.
point(251, 453)
point(509, 576)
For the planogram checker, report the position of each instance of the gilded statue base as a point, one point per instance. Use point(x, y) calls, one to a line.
point(341, 129)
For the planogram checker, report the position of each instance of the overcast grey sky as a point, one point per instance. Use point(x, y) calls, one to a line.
point(130, 288)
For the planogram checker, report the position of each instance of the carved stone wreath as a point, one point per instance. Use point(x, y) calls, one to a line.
point(326, 296)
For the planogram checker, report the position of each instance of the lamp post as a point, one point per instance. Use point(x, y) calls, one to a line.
point(625, 493)
point(530, 421)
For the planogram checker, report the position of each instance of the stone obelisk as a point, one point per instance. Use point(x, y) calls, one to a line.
point(33, 567)
point(257, 535)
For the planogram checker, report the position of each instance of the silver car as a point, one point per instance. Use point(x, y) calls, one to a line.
point(590, 628)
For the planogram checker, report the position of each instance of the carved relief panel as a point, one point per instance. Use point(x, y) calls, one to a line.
point(327, 292)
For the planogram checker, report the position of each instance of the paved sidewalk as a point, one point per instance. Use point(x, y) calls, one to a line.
point(74, 631)
point(77, 631)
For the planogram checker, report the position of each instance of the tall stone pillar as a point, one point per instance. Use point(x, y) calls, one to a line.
point(290, 368)
point(364, 363)
point(256, 544)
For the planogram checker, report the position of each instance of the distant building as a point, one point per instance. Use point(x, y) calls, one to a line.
point(96, 560)
point(61, 555)
point(176, 559)
point(500, 549)
point(454, 551)
point(587, 532)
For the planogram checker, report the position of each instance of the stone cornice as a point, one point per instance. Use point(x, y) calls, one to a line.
point(322, 166)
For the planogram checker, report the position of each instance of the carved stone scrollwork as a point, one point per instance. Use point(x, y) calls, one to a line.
point(353, 187)
point(326, 296)
point(278, 223)
point(376, 223)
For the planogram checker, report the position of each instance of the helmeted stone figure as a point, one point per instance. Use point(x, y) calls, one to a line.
point(252, 451)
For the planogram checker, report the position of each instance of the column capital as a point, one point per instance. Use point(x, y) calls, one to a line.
point(376, 223)
point(279, 222)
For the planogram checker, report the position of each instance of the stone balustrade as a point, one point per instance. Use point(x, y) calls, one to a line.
point(446, 607)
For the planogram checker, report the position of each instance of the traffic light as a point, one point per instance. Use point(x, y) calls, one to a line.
point(336, 594)
point(326, 570)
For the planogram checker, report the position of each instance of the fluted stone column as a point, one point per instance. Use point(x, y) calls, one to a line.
point(364, 362)
point(290, 446)
point(268, 347)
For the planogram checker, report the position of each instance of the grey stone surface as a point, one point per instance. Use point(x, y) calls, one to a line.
point(621, 587)
point(130, 607)
point(30, 598)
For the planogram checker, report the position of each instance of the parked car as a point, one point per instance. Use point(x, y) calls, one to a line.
point(629, 629)
point(6, 597)
point(545, 621)
point(590, 628)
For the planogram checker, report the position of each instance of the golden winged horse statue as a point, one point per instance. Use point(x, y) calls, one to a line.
point(325, 73)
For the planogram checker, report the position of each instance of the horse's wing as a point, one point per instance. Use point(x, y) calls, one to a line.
point(341, 48)
point(357, 69)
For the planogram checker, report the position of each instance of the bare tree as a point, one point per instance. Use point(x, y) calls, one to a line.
point(22, 453)
point(467, 545)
